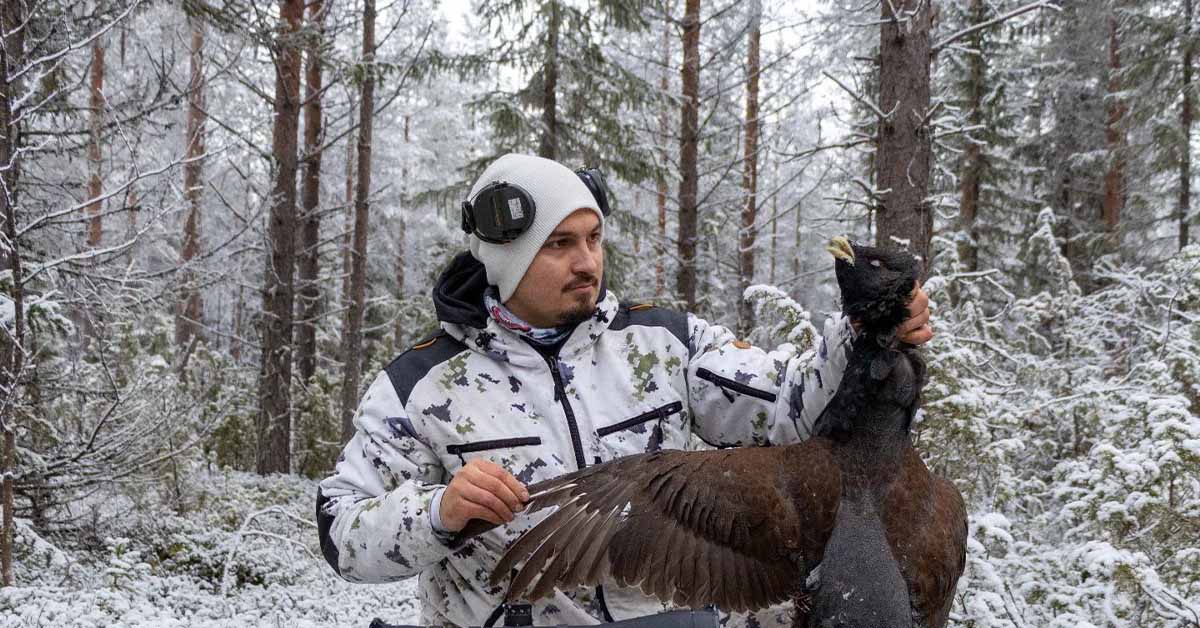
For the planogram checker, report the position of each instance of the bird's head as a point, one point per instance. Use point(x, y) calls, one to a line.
point(876, 283)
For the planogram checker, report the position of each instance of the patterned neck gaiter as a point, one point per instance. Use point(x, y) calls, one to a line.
point(505, 318)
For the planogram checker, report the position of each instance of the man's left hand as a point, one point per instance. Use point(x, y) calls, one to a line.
point(917, 330)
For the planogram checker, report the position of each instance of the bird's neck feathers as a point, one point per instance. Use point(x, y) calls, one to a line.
point(885, 384)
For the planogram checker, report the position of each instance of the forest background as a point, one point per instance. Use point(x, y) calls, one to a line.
point(216, 215)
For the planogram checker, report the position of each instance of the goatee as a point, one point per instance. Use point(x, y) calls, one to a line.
point(576, 315)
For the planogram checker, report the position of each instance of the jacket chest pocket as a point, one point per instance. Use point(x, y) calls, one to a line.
point(640, 425)
point(495, 447)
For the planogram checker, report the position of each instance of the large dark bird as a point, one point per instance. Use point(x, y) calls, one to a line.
point(849, 524)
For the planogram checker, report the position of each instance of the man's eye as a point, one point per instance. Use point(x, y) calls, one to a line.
point(595, 237)
point(556, 244)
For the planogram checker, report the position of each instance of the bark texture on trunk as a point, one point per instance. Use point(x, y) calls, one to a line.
point(190, 308)
point(775, 219)
point(548, 147)
point(275, 412)
point(664, 122)
point(401, 238)
point(689, 138)
point(352, 328)
point(972, 167)
point(749, 231)
point(905, 215)
point(348, 213)
point(310, 198)
point(95, 125)
point(12, 55)
point(1114, 138)
point(1185, 121)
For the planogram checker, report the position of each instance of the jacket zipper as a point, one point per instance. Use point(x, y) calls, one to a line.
point(560, 394)
point(484, 445)
point(735, 386)
point(657, 413)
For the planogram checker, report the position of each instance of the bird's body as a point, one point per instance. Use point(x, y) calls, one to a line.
point(849, 524)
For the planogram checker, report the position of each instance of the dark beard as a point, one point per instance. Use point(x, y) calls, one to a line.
point(575, 315)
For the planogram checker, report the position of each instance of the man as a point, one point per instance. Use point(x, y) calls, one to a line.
point(538, 371)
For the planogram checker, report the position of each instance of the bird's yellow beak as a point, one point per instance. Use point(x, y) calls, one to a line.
point(840, 248)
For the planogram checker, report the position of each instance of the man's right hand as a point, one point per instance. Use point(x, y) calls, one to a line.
point(481, 490)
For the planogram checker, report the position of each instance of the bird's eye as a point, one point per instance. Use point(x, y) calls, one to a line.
point(875, 263)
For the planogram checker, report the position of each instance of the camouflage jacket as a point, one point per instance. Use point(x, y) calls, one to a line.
point(628, 380)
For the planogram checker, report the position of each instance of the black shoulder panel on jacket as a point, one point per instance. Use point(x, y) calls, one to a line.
point(411, 366)
point(650, 316)
point(324, 523)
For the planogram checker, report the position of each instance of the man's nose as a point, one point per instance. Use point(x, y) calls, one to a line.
point(583, 261)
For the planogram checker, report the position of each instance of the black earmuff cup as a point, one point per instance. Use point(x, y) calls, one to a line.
point(594, 180)
point(500, 213)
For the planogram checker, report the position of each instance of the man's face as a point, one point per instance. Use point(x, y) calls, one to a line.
point(563, 281)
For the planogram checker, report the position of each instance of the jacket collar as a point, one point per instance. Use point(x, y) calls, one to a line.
point(458, 301)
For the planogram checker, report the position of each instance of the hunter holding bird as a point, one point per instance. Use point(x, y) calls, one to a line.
point(538, 371)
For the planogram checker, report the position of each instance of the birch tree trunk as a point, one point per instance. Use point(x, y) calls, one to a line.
point(275, 414)
point(903, 164)
point(352, 329)
point(310, 198)
point(749, 232)
point(190, 307)
point(689, 218)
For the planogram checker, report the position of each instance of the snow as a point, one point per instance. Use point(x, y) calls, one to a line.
point(165, 570)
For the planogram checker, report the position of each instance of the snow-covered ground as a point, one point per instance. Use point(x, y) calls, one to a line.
point(250, 536)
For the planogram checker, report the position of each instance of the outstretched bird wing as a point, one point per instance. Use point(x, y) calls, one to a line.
point(733, 527)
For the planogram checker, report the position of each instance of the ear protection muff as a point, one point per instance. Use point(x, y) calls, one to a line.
point(502, 211)
point(499, 213)
point(594, 180)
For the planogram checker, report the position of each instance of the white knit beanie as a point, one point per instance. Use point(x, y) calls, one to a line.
point(557, 192)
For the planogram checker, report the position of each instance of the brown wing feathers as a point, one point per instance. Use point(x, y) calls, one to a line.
point(691, 527)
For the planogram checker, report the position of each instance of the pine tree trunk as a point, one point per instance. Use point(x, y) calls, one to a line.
point(235, 348)
point(749, 232)
point(775, 217)
point(96, 124)
point(689, 138)
point(348, 214)
point(275, 418)
point(190, 307)
point(972, 172)
point(401, 238)
point(352, 334)
point(796, 251)
point(1114, 178)
point(12, 55)
point(548, 147)
point(903, 165)
point(664, 121)
point(310, 199)
point(133, 204)
point(1185, 119)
